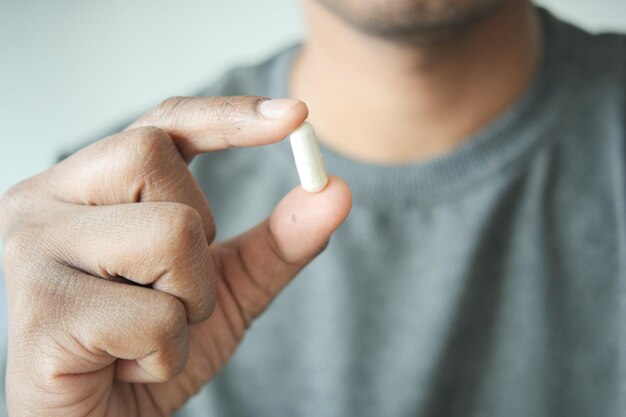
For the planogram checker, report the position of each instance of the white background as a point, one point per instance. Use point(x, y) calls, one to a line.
point(71, 69)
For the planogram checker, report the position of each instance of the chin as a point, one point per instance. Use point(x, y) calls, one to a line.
point(411, 19)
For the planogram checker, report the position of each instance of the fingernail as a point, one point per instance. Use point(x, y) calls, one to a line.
point(276, 108)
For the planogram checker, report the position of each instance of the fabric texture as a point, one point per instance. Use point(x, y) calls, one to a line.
point(487, 282)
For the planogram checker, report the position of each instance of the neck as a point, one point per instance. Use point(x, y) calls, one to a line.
point(388, 102)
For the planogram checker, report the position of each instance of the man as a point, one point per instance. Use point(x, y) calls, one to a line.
point(480, 272)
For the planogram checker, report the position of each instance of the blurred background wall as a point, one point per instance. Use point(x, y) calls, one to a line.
point(71, 69)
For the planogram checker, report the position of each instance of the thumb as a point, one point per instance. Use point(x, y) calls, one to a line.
point(257, 264)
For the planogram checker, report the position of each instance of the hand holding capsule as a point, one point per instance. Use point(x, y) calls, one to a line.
point(85, 339)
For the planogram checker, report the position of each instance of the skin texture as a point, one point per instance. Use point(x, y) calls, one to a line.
point(121, 303)
point(384, 100)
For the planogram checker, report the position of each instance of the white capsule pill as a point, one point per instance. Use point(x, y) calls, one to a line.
point(309, 162)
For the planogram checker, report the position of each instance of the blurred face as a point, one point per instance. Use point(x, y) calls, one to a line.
point(411, 19)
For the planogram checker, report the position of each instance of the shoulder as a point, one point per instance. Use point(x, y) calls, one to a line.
point(587, 85)
point(591, 63)
point(584, 112)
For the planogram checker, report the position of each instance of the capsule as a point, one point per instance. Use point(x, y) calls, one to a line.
point(308, 158)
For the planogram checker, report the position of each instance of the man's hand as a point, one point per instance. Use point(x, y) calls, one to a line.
point(119, 302)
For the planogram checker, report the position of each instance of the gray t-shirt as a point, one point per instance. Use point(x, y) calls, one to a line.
point(488, 282)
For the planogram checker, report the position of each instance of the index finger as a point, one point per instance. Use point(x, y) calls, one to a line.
point(204, 124)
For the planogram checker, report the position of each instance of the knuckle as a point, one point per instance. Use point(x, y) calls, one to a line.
point(186, 228)
point(172, 363)
point(11, 195)
point(36, 306)
point(23, 251)
point(16, 268)
point(12, 251)
point(224, 108)
point(229, 111)
point(166, 108)
point(152, 151)
point(148, 141)
point(12, 203)
point(174, 318)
